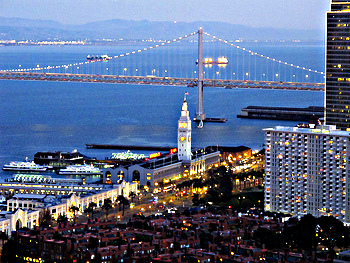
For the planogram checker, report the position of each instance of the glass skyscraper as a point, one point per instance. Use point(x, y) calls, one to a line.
point(337, 97)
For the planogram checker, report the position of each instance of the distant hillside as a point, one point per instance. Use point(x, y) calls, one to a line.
point(20, 29)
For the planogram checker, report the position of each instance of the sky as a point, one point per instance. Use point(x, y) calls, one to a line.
point(291, 14)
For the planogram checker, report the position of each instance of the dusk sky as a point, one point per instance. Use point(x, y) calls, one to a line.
point(298, 14)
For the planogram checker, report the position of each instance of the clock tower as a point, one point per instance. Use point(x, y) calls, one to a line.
point(184, 134)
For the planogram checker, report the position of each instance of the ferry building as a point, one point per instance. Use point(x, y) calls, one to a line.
point(187, 162)
point(23, 209)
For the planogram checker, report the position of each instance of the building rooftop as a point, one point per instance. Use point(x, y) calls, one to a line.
point(324, 129)
point(29, 196)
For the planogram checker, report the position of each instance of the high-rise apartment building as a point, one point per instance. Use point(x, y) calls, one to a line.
point(307, 171)
point(338, 65)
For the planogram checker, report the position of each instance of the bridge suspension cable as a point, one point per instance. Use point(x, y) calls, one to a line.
point(100, 60)
point(179, 61)
point(263, 56)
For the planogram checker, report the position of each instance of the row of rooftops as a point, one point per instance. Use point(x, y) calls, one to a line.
point(174, 238)
point(47, 157)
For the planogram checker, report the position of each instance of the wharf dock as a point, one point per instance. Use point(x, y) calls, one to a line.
point(219, 120)
point(282, 113)
point(130, 147)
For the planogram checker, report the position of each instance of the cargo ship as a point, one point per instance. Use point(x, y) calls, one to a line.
point(219, 61)
point(98, 58)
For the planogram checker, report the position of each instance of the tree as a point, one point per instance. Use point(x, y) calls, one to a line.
point(331, 233)
point(3, 237)
point(234, 202)
point(305, 235)
point(225, 184)
point(246, 203)
point(45, 218)
point(122, 201)
point(13, 252)
point(132, 195)
point(267, 237)
point(91, 209)
point(195, 199)
point(62, 219)
point(74, 209)
point(107, 204)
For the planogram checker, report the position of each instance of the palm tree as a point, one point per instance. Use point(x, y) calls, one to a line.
point(62, 219)
point(107, 204)
point(122, 201)
point(45, 218)
point(74, 209)
point(91, 209)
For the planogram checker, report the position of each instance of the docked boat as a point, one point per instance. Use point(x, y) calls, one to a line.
point(80, 170)
point(24, 167)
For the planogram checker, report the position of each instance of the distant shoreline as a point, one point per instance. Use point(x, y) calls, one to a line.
point(115, 42)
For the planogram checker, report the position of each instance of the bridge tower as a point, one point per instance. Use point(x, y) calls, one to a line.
point(200, 115)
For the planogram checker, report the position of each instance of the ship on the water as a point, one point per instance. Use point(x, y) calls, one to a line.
point(219, 61)
point(223, 61)
point(80, 170)
point(24, 167)
point(98, 58)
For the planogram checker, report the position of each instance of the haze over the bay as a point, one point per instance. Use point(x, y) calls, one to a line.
point(285, 14)
point(32, 29)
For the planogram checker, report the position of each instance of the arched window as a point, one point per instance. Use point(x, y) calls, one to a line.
point(136, 176)
point(120, 175)
point(108, 177)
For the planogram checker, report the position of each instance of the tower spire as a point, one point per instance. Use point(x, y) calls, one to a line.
point(184, 133)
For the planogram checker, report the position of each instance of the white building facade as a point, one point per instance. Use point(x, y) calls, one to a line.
point(184, 134)
point(24, 209)
point(307, 171)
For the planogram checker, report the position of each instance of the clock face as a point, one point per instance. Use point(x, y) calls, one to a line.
point(182, 138)
point(182, 125)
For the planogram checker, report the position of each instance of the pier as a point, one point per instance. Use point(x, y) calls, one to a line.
point(129, 147)
point(282, 113)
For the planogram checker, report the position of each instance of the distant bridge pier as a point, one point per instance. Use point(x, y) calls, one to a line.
point(200, 115)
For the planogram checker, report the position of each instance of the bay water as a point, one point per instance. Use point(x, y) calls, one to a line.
point(63, 116)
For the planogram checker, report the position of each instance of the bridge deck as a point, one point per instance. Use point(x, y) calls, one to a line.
point(190, 82)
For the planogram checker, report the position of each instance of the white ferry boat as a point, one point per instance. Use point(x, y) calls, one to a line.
point(24, 167)
point(80, 170)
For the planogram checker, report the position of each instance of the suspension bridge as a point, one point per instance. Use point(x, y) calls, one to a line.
point(202, 61)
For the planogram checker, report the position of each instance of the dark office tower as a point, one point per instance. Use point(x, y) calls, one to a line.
point(338, 65)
